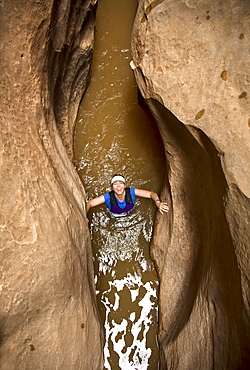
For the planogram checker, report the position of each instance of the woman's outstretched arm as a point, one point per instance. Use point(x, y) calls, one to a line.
point(95, 202)
point(162, 206)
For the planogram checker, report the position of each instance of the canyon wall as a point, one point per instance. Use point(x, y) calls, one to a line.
point(191, 62)
point(48, 306)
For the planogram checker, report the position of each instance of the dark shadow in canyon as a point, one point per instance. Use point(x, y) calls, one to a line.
point(209, 267)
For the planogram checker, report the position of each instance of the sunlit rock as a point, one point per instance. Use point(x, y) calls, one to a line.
point(191, 62)
point(48, 311)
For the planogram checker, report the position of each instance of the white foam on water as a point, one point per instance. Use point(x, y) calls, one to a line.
point(134, 294)
point(135, 327)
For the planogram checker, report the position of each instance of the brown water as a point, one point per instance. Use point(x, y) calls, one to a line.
point(115, 135)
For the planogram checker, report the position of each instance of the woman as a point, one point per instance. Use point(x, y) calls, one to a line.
point(121, 199)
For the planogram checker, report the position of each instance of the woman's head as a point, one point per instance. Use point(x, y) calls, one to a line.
point(118, 184)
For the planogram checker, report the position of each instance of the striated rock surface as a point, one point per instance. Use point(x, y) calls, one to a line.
point(48, 311)
point(191, 61)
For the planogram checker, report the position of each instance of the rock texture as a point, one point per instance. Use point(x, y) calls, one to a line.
point(191, 62)
point(48, 308)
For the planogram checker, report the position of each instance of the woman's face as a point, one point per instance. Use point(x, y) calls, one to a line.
point(118, 187)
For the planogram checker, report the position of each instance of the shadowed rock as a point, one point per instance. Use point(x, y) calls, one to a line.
point(48, 308)
point(191, 64)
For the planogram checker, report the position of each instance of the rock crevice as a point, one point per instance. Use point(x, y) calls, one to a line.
point(48, 306)
point(193, 89)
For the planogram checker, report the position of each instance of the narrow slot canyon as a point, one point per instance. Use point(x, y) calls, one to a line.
point(188, 63)
point(115, 135)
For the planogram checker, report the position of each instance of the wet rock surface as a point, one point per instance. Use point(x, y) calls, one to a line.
point(48, 306)
point(192, 67)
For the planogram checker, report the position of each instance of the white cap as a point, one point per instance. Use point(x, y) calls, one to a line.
point(117, 178)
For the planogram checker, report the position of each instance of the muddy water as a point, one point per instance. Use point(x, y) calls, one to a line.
point(115, 135)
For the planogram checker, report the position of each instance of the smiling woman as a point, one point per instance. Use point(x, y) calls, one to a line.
point(121, 200)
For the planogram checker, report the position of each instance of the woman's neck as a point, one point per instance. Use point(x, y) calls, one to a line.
point(120, 197)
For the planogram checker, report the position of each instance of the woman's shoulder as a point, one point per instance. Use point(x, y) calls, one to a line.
point(132, 193)
point(107, 196)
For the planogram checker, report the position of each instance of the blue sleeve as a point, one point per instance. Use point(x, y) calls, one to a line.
point(132, 193)
point(107, 200)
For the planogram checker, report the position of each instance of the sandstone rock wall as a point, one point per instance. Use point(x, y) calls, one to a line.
point(48, 310)
point(191, 62)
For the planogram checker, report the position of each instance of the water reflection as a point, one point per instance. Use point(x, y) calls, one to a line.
point(119, 239)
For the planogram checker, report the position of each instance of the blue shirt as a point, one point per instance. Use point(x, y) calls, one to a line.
point(120, 204)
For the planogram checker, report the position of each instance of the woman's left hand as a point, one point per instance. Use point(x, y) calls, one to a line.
point(162, 207)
